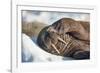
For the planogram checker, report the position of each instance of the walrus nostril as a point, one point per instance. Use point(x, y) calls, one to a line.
point(82, 55)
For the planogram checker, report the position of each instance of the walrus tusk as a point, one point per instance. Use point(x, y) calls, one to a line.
point(60, 39)
point(55, 48)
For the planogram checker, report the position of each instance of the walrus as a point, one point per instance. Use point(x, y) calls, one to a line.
point(66, 37)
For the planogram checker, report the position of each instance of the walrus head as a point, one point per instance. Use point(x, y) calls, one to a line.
point(66, 37)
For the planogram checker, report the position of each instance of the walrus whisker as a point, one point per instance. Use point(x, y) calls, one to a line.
point(55, 48)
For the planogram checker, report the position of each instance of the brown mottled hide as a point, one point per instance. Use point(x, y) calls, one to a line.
point(66, 37)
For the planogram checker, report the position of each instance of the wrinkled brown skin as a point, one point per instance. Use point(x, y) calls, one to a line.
point(76, 28)
point(78, 32)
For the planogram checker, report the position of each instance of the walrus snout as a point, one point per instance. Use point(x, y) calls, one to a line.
point(82, 55)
